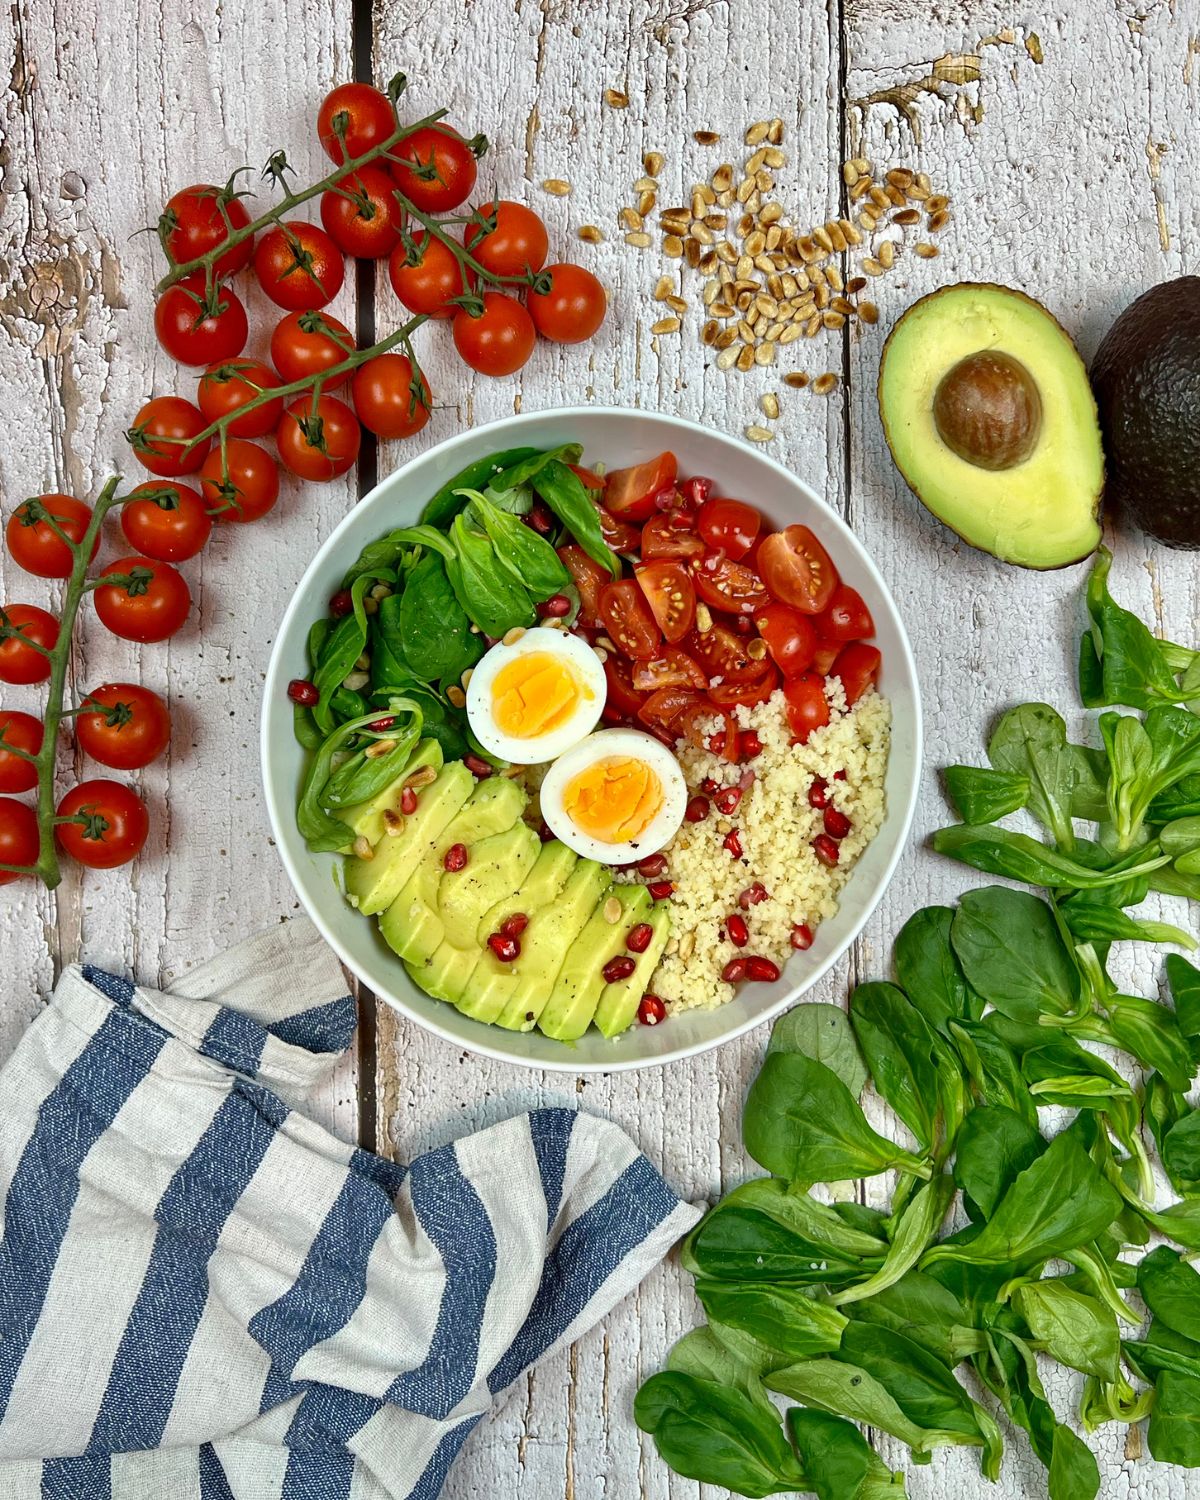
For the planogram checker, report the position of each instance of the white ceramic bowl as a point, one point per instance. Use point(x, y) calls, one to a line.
point(614, 437)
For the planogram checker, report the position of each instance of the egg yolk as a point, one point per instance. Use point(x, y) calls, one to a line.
point(613, 800)
point(534, 694)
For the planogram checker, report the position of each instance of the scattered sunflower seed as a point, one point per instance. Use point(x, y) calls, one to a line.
point(665, 325)
point(638, 238)
point(769, 402)
point(706, 137)
point(590, 234)
point(823, 384)
point(653, 161)
point(797, 379)
point(925, 250)
point(559, 186)
point(616, 99)
point(868, 312)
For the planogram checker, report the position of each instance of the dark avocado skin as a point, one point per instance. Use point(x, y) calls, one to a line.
point(1146, 376)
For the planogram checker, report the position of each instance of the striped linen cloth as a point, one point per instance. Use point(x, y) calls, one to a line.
point(204, 1295)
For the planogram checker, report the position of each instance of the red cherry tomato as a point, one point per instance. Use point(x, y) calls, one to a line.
point(797, 569)
point(198, 327)
point(670, 668)
point(21, 661)
point(846, 617)
point(790, 637)
point(18, 731)
point(38, 548)
point(729, 526)
point(620, 535)
point(167, 535)
point(227, 387)
point(589, 578)
point(573, 308)
point(199, 218)
point(499, 340)
point(245, 487)
point(298, 266)
point(732, 586)
point(662, 712)
point(318, 444)
point(628, 620)
point(587, 477)
point(517, 245)
point(710, 727)
point(722, 653)
point(308, 343)
point(629, 493)
point(123, 726)
point(430, 282)
point(858, 667)
point(670, 533)
point(361, 213)
point(386, 399)
point(353, 119)
point(435, 168)
point(161, 434)
point(752, 689)
point(112, 827)
point(671, 596)
point(20, 841)
point(150, 607)
point(807, 708)
point(623, 697)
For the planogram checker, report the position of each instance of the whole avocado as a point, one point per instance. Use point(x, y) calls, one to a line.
point(1146, 376)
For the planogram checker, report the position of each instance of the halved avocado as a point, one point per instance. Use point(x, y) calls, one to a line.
point(988, 412)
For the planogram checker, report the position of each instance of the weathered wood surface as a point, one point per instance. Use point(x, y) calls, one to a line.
point(1072, 177)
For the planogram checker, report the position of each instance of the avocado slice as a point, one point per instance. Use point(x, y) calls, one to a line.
point(619, 999)
point(411, 925)
point(1146, 376)
point(366, 818)
point(988, 412)
point(549, 874)
point(496, 869)
point(524, 986)
point(373, 884)
point(580, 982)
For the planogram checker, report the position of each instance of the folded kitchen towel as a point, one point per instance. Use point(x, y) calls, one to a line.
point(204, 1295)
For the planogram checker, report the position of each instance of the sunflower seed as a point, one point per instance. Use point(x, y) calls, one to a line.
point(860, 189)
point(616, 98)
point(769, 402)
point(665, 325)
point(646, 202)
point(823, 384)
point(925, 250)
point(841, 305)
point(378, 748)
point(645, 185)
point(362, 847)
point(938, 221)
point(722, 178)
point(556, 185)
point(899, 177)
point(758, 132)
point(797, 379)
point(765, 353)
point(872, 267)
point(706, 137)
point(630, 218)
point(701, 233)
point(887, 254)
point(906, 216)
point(868, 312)
point(511, 637)
point(653, 161)
point(790, 334)
point(708, 333)
point(726, 357)
point(639, 238)
point(672, 246)
point(852, 235)
point(745, 359)
point(704, 619)
point(936, 202)
point(725, 338)
point(393, 822)
point(856, 283)
point(758, 434)
point(754, 162)
point(590, 234)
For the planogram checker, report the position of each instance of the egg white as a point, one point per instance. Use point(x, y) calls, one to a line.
point(581, 661)
point(629, 744)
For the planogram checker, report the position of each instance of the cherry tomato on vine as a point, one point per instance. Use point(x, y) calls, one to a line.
point(166, 534)
point(19, 660)
point(151, 606)
point(574, 307)
point(245, 487)
point(123, 726)
point(18, 731)
point(33, 543)
point(790, 636)
point(353, 118)
point(797, 569)
point(730, 526)
point(499, 340)
point(112, 824)
point(308, 343)
point(517, 244)
point(160, 435)
point(20, 841)
point(430, 285)
point(227, 387)
point(199, 218)
point(385, 398)
point(361, 213)
point(299, 266)
point(318, 444)
point(198, 328)
point(435, 168)
point(806, 704)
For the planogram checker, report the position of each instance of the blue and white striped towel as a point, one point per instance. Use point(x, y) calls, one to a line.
point(204, 1295)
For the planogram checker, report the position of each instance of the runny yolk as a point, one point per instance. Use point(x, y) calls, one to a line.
point(613, 800)
point(535, 693)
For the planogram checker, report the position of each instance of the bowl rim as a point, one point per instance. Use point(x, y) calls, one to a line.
point(278, 799)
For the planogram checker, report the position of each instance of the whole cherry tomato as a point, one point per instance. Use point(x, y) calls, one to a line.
point(385, 398)
point(353, 119)
point(299, 266)
point(197, 326)
point(150, 606)
point(199, 218)
point(629, 620)
point(161, 434)
point(23, 628)
point(318, 444)
point(307, 343)
point(18, 731)
point(629, 493)
point(846, 617)
point(790, 636)
point(435, 168)
point(574, 307)
point(589, 578)
point(806, 704)
point(36, 546)
point(797, 569)
point(731, 586)
point(123, 726)
point(671, 533)
point(109, 824)
point(170, 532)
point(496, 341)
point(728, 526)
point(516, 245)
point(227, 387)
point(430, 282)
point(361, 213)
point(858, 667)
point(670, 594)
point(20, 841)
point(245, 487)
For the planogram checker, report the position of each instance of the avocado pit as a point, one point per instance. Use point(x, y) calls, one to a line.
point(988, 411)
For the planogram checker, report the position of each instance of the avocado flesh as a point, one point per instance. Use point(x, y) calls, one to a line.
point(619, 999)
point(580, 982)
point(1041, 511)
point(523, 987)
point(495, 869)
point(373, 884)
point(1146, 375)
point(366, 818)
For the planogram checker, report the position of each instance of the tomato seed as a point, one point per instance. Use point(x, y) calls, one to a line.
point(734, 971)
point(651, 1011)
point(408, 801)
point(455, 858)
point(617, 969)
point(762, 970)
point(477, 766)
point(817, 792)
point(728, 798)
point(837, 824)
point(506, 949)
point(653, 865)
point(739, 933)
point(554, 608)
point(639, 937)
point(661, 889)
point(825, 849)
point(733, 843)
point(515, 925)
point(697, 810)
point(341, 603)
point(802, 936)
point(301, 691)
point(750, 745)
point(752, 895)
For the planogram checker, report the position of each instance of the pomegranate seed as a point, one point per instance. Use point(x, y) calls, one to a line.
point(540, 517)
point(379, 725)
point(817, 792)
point(734, 971)
point(515, 925)
point(408, 801)
point(651, 1011)
point(839, 776)
point(554, 608)
point(697, 490)
point(545, 832)
point(762, 969)
point(716, 742)
point(742, 625)
point(728, 798)
point(341, 603)
point(739, 933)
point(301, 691)
point(710, 786)
point(752, 895)
point(618, 968)
point(668, 498)
point(661, 889)
point(697, 810)
point(652, 866)
point(455, 858)
point(639, 937)
point(837, 824)
point(732, 843)
point(477, 766)
point(825, 849)
point(506, 949)
point(802, 937)
point(750, 745)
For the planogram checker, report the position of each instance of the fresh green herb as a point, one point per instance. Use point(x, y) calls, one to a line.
point(321, 830)
point(528, 557)
point(929, 971)
point(838, 1460)
point(441, 509)
point(565, 494)
point(427, 629)
point(980, 795)
point(823, 1033)
point(1120, 661)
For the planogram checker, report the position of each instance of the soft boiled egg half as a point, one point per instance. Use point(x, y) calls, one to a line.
point(529, 701)
point(616, 797)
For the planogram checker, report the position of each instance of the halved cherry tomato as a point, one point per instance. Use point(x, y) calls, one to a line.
point(806, 705)
point(589, 578)
point(846, 617)
point(622, 696)
point(797, 569)
point(731, 586)
point(751, 690)
point(790, 636)
point(587, 477)
point(671, 595)
point(721, 653)
point(696, 725)
point(729, 526)
point(629, 493)
point(670, 534)
point(671, 668)
point(858, 667)
point(664, 708)
point(620, 535)
point(824, 657)
point(628, 619)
